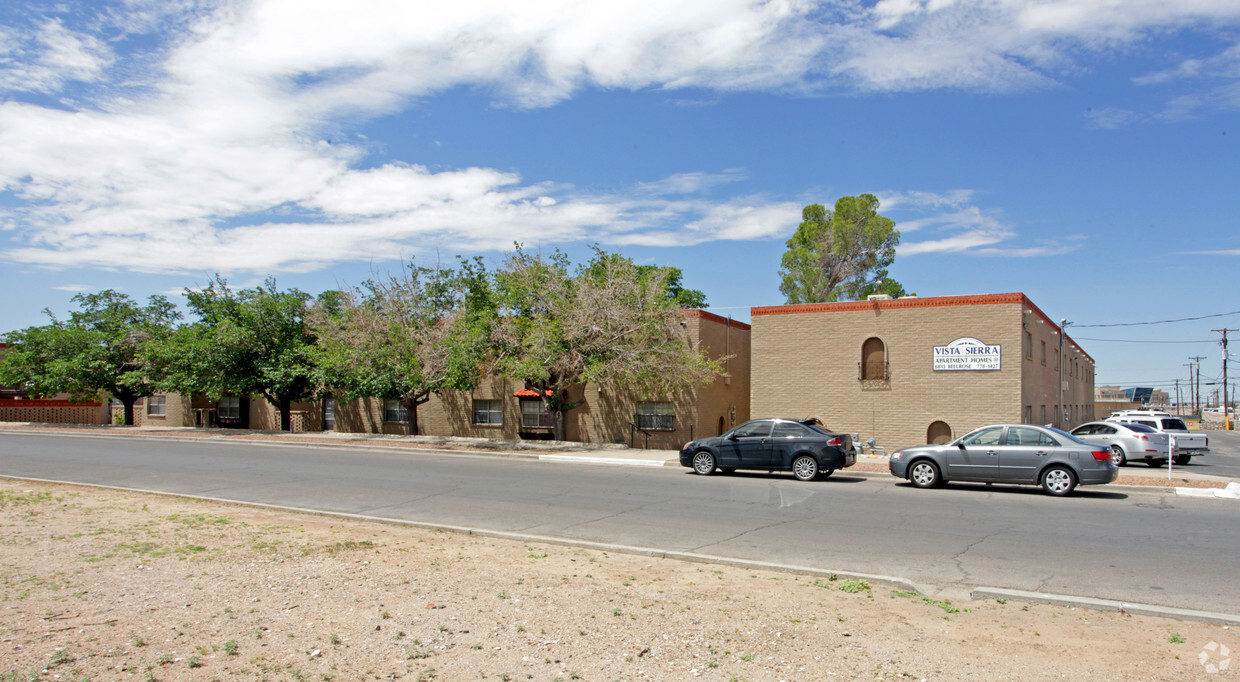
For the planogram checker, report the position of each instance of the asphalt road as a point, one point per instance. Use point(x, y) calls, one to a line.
point(1223, 458)
point(1102, 542)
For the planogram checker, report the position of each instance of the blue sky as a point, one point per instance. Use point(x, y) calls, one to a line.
point(1084, 152)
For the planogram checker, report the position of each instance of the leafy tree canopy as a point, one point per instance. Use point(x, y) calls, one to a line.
point(608, 321)
point(406, 336)
point(248, 342)
point(837, 255)
point(100, 349)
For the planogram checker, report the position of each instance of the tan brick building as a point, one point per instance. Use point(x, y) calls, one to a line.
point(918, 370)
point(503, 409)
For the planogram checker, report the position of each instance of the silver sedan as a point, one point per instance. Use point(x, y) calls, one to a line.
point(1129, 442)
point(1008, 453)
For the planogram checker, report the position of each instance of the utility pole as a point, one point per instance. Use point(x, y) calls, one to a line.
point(1190, 386)
point(1178, 409)
point(1063, 331)
point(1226, 414)
point(1197, 395)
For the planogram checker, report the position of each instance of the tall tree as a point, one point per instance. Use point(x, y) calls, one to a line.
point(836, 255)
point(249, 342)
point(611, 321)
point(99, 349)
point(408, 336)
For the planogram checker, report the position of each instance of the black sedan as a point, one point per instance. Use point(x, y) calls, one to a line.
point(802, 446)
point(1008, 453)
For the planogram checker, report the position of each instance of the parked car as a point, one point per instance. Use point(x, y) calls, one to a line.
point(1008, 453)
point(803, 447)
point(1128, 441)
point(1187, 444)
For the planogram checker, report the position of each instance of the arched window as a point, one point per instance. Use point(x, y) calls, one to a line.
point(873, 359)
point(939, 433)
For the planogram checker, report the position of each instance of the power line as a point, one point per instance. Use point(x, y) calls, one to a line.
point(1137, 324)
point(1082, 338)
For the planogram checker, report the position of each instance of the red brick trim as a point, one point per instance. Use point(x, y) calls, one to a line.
point(911, 302)
point(703, 315)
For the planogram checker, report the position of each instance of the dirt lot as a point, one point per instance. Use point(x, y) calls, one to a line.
point(108, 585)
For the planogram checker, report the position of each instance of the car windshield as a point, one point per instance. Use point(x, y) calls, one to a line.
point(1139, 428)
point(1173, 425)
point(816, 428)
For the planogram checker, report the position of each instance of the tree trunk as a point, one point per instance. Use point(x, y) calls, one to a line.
point(128, 402)
point(411, 407)
point(286, 418)
point(557, 424)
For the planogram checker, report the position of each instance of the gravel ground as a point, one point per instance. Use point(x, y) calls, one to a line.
point(109, 585)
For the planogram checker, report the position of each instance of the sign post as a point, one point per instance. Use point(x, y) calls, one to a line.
point(1170, 454)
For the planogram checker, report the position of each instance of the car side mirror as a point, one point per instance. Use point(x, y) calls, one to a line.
point(731, 436)
point(960, 444)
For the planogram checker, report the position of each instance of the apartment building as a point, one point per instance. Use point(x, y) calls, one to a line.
point(918, 370)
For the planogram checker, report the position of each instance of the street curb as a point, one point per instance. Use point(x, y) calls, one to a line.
point(1110, 605)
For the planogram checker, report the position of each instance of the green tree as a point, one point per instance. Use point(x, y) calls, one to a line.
point(835, 255)
point(611, 321)
point(684, 298)
point(408, 336)
point(249, 342)
point(100, 349)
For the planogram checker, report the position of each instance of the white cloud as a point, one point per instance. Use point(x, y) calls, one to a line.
point(75, 288)
point(691, 183)
point(953, 224)
point(45, 60)
point(208, 151)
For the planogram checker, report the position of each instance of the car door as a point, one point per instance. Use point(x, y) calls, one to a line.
point(1023, 454)
point(747, 446)
point(787, 439)
point(975, 457)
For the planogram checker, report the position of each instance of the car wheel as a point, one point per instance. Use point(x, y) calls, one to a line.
point(1182, 459)
point(727, 470)
point(1058, 481)
point(703, 463)
point(805, 468)
point(924, 474)
point(1155, 463)
point(1117, 456)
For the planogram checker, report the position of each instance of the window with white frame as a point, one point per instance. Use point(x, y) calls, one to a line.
point(156, 405)
point(655, 416)
point(488, 412)
point(229, 407)
point(394, 411)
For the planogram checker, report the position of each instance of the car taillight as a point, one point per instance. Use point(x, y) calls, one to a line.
point(1143, 437)
point(1101, 455)
point(836, 441)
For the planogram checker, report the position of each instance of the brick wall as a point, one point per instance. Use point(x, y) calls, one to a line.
point(805, 363)
point(52, 412)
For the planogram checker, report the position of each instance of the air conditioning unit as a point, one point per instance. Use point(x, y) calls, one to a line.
point(878, 297)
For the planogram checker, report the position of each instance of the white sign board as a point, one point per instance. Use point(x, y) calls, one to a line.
point(966, 354)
